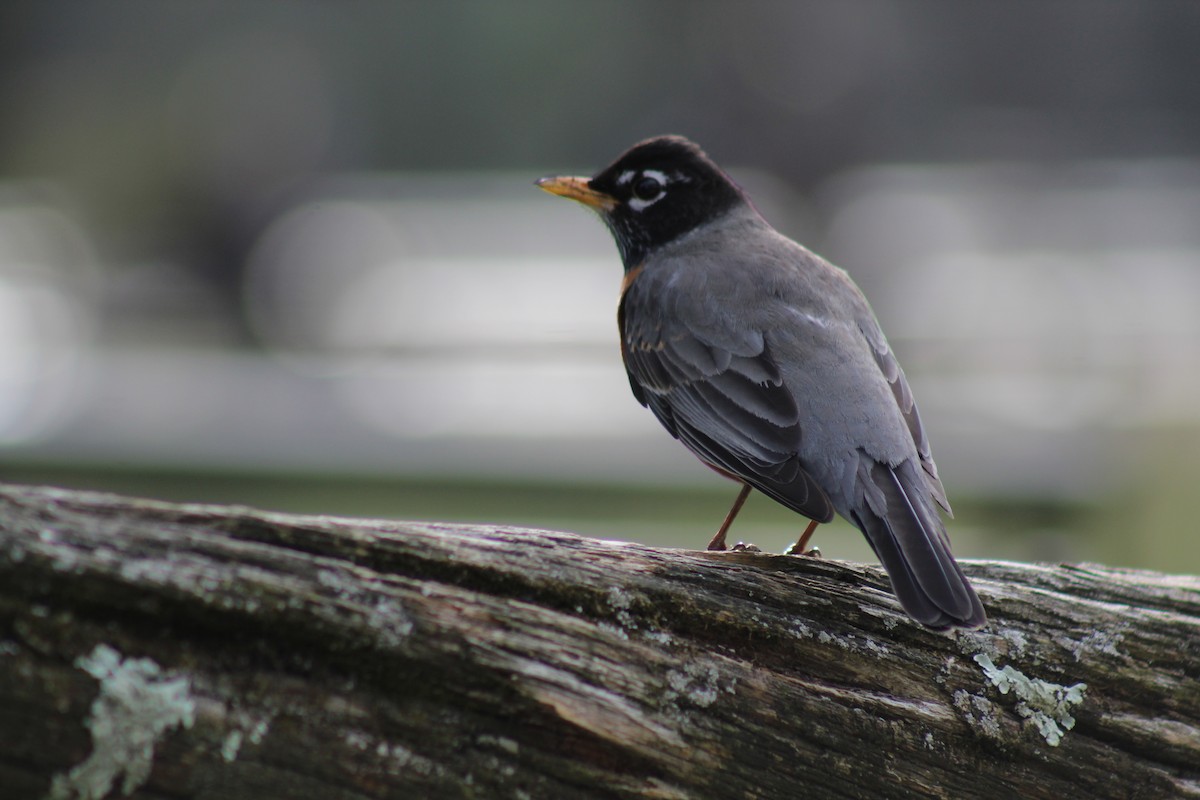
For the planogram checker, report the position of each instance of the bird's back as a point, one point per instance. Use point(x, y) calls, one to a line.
point(856, 437)
point(776, 296)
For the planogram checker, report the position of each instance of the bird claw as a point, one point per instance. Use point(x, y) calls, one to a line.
point(812, 552)
point(746, 547)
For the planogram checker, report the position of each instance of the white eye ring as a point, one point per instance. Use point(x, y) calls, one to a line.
point(650, 176)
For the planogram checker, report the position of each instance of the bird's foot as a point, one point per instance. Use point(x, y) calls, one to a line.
point(801, 548)
point(719, 546)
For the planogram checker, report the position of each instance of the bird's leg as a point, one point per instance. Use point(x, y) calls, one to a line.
point(798, 549)
point(718, 541)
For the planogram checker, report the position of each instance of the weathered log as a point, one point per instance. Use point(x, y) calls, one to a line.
point(203, 652)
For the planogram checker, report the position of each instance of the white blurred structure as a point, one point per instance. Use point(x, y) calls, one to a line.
point(48, 279)
point(1044, 314)
point(466, 325)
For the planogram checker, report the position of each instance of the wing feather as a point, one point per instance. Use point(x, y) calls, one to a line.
point(891, 370)
point(725, 400)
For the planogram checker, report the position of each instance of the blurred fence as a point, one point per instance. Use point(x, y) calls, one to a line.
point(464, 325)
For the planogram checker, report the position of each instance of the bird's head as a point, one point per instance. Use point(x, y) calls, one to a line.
point(655, 192)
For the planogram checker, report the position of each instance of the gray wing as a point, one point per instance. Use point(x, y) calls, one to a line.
point(901, 523)
point(891, 370)
point(719, 392)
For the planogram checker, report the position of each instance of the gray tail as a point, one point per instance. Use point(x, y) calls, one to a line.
point(904, 529)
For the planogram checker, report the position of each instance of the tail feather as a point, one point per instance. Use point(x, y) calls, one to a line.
point(897, 516)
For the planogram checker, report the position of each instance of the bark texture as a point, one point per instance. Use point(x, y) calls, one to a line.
point(162, 650)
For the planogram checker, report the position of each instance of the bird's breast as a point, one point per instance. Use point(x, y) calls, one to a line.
point(630, 276)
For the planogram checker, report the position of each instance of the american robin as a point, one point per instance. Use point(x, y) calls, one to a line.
point(767, 363)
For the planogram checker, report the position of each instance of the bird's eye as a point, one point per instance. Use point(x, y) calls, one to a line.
point(647, 188)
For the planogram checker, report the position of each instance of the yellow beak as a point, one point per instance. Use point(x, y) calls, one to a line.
point(577, 189)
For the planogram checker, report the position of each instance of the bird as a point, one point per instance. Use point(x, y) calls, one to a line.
point(767, 362)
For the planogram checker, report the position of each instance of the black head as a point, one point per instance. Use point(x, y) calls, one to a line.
point(655, 192)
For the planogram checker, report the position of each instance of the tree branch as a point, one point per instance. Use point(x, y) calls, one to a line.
point(197, 651)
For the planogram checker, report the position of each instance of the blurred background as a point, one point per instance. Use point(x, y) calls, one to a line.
point(290, 254)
